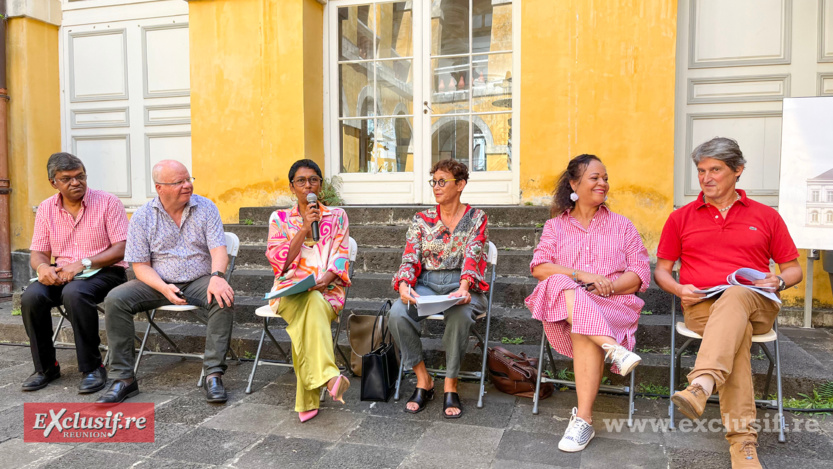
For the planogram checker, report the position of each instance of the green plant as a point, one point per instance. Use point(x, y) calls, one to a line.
point(249, 355)
point(566, 375)
point(16, 312)
point(647, 313)
point(605, 380)
point(247, 221)
point(650, 388)
point(539, 225)
point(514, 340)
point(819, 400)
point(330, 191)
point(528, 203)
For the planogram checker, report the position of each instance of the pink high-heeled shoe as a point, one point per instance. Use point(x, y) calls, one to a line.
point(341, 386)
point(307, 415)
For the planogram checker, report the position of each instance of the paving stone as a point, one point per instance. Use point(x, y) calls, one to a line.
point(329, 425)
point(614, 426)
point(540, 448)
point(500, 464)
point(192, 409)
point(604, 453)
point(16, 453)
point(442, 440)
point(155, 463)
point(255, 418)
point(271, 394)
point(777, 462)
point(283, 452)
point(348, 455)
point(387, 432)
point(549, 420)
point(164, 434)
point(207, 446)
point(90, 459)
point(686, 458)
point(11, 423)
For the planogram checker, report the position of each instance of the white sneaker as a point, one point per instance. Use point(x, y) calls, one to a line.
point(624, 359)
point(578, 434)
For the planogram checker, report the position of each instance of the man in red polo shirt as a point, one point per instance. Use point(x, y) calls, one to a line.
point(717, 234)
point(82, 229)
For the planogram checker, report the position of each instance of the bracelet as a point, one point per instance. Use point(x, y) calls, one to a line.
point(37, 269)
point(575, 278)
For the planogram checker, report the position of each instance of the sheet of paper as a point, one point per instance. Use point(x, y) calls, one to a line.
point(434, 304)
point(83, 275)
point(298, 287)
point(742, 278)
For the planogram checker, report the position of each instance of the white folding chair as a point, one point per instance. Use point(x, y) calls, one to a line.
point(760, 339)
point(603, 387)
point(267, 314)
point(232, 246)
point(491, 260)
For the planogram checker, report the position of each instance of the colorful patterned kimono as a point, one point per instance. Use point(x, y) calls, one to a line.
point(308, 315)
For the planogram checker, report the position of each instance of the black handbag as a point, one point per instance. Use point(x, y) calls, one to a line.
point(380, 366)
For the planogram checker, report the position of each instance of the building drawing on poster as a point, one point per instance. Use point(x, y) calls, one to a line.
point(820, 200)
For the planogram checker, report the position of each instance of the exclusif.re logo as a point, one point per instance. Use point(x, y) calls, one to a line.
point(85, 422)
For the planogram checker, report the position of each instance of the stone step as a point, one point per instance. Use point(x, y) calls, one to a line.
point(499, 215)
point(387, 260)
point(394, 236)
point(802, 370)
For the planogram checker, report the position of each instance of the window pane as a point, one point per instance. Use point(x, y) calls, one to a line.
point(450, 85)
point(395, 90)
point(491, 26)
point(355, 32)
point(356, 144)
point(450, 27)
point(492, 83)
point(394, 151)
point(450, 138)
point(491, 142)
point(356, 94)
point(394, 28)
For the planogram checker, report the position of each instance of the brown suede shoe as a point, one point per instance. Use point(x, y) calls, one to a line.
point(691, 401)
point(744, 455)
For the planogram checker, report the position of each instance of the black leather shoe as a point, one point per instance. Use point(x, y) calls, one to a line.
point(93, 381)
point(214, 390)
point(39, 380)
point(119, 391)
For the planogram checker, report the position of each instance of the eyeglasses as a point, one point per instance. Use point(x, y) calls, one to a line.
point(177, 183)
point(79, 178)
point(301, 182)
point(439, 182)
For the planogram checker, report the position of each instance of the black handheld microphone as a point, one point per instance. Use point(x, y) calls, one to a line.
point(312, 201)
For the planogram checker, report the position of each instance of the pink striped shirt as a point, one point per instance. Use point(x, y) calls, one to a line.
point(101, 222)
point(610, 246)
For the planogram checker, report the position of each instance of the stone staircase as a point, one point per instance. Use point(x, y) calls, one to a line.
point(380, 233)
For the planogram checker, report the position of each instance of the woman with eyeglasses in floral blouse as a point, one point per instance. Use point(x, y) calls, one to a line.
point(444, 255)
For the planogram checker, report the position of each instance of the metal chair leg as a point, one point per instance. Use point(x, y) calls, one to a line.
point(201, 380)
point(630, 399)
point(57, 330)
point(769, 370)
point(485, 350)
point(399, 379)
point(781, 420)
point(540, 371)
point(144, 341)
point(257, 355)
point(673, 354)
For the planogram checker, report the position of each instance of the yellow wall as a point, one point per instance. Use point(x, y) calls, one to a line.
point(598, 77)
point(822, 295)
point(34, 118)
point(256, 97)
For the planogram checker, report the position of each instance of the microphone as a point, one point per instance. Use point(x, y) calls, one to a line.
point(312, 200)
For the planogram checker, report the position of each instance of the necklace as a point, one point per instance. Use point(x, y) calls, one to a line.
point(456, 220)
point(728, 206)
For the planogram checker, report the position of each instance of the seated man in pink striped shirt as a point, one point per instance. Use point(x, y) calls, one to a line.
point(82, 229)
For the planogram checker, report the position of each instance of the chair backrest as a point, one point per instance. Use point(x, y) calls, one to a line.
point(273, 217)
point(232, 244)
point(354, 251)
point(491, 254)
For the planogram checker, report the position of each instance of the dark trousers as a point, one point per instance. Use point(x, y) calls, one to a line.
point(79, 299)
point(135, 296)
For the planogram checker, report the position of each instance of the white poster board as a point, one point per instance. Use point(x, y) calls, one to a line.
point(806, 189)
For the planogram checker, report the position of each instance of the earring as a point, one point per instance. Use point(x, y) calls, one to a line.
point(605, 198)
point(574, 197)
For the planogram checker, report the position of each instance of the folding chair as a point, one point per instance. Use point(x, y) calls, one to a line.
point(603, 387)
point(267, 314)
point(65, 316)
point(232, 246)
point(491, 260)
point(760, 339)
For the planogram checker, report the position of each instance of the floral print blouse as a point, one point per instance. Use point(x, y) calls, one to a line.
point(330, 254)
point(429, 245)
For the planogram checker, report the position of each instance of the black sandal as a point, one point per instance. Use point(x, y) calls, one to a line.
point(421, 397)
point(452, 399)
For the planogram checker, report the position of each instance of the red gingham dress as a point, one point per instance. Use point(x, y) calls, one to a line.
point(610, 247)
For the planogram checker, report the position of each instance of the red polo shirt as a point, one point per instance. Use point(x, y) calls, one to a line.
point(711, 247)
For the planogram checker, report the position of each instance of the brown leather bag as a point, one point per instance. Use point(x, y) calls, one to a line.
point(515, 375)
point(360, 333)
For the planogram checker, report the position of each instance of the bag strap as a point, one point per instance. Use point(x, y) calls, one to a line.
point(510, 354)
point(382, 311)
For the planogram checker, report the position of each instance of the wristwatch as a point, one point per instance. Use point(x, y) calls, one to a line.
point(218, 274)
point(782, 285)
point(87, 263)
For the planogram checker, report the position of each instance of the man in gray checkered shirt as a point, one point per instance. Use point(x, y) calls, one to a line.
point(177, 248)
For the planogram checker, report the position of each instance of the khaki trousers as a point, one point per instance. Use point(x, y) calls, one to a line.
point(727, 325)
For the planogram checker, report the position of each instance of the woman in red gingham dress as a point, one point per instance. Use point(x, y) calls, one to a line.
point(589, 263)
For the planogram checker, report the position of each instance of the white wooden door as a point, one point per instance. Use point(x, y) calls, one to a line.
point(410, 83)
point(736, 61)
point(125, 91)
